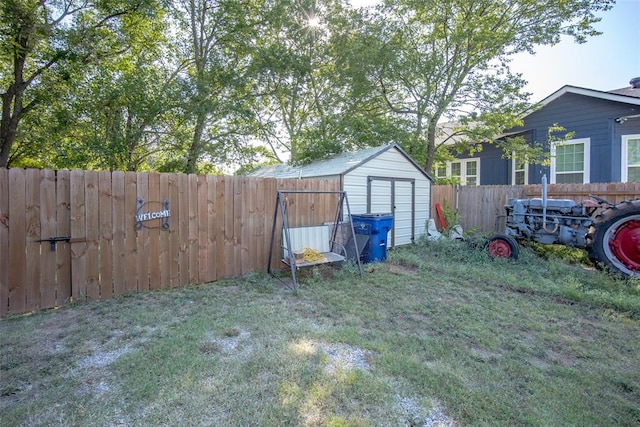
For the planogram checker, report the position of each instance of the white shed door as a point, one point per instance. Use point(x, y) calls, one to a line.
point(380, 196)
point(403, 213)
point(395, 196)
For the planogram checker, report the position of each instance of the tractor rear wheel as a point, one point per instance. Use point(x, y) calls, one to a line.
point(502, 246)
point(613, 239)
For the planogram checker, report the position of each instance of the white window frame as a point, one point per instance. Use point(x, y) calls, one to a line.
point(514, 170)
point(586, 172)
point(624, 168)
point(463, 170)
point(437, 167)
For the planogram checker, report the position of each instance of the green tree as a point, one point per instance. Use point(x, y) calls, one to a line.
point(116, 114)
point(215, 42)
point(45, 44)
point(435, 60)
point(312, 106)
point(289, 60)
point(124, 117)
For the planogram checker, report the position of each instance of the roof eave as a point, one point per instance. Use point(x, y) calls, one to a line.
point(591, 93)
point(385, 149)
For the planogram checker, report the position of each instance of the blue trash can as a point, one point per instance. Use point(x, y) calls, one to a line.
point(376, 226)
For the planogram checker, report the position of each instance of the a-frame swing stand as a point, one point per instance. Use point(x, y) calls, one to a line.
point(335, 251)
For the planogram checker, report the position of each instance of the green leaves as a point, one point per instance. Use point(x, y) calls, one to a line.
point(197, 85)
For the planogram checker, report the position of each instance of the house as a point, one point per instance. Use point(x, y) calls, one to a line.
point(604, 148)
point(377, 180)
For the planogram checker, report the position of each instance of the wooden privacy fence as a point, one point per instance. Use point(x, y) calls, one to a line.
point(75, 235)
point(478, 206)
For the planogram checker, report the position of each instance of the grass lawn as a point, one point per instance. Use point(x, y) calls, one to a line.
point(439, 335)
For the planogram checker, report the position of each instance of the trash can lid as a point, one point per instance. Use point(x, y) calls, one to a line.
point(372, 215)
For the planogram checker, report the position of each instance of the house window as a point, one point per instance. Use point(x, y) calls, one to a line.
point(519, 171)
point(630, 171)
point(471, 172)
point(466, 171)
point(570, 161)
point(455, 171)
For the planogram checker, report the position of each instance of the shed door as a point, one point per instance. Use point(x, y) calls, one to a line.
point(397, 196)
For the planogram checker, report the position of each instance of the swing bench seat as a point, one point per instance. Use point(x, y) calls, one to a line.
point(316, 238)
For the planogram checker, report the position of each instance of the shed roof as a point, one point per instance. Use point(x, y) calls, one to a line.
point(338, 165)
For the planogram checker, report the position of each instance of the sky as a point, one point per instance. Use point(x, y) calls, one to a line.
point(604, 62)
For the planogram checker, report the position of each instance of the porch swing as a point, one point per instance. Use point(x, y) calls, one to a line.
point(311, 245)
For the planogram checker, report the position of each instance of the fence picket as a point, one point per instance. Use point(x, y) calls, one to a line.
point(256, 232)
point(105, 224)
point(228, 229)
point(78, 234)
point(183, 231)
point(142, 234)
point(245, 221)
point(63, 226)
point(212, 206)
point(130, 234)
point(153, 242)
point(92, 216)
point(174, 236)
point(203, 229)
point(192, 250)
point(17, 260)
point(164, 241)
point(236, 218)
point(119, 223)
point(4, 242)
point(47, 229)
point(221, 225)
point(32, 223)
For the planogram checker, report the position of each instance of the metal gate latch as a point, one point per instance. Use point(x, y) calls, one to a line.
point(53, 240)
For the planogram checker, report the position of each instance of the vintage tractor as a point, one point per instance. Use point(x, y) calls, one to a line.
point(609, 232)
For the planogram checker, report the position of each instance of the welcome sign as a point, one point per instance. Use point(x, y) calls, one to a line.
point(152, 214)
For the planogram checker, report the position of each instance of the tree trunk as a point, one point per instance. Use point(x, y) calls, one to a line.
point(7, 129)
point(12, 103)
point(431, 145)
point(196, 144)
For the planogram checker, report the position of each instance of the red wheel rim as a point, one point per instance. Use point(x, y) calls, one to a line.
point(625, 244)
point(499, 249)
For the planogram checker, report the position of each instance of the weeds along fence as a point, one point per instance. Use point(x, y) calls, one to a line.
point(78, 235)
point(478, 206)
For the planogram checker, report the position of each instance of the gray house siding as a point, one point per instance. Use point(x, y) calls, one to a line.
point(494, 170)
point(589, 117)
point(629, 127)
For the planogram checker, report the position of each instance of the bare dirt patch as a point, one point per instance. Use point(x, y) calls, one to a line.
point(402, 270)
point(344, 357)
point(414, 414)
point(233, 341)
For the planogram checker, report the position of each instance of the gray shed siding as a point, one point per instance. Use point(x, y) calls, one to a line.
point(393, 165)
point(377, 180)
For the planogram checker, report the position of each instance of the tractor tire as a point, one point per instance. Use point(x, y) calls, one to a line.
point(502, 246)
point(613, 239)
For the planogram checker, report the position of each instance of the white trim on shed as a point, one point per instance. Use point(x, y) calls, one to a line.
point(381, 179)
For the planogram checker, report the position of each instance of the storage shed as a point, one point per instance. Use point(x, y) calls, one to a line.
point(377, 180)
